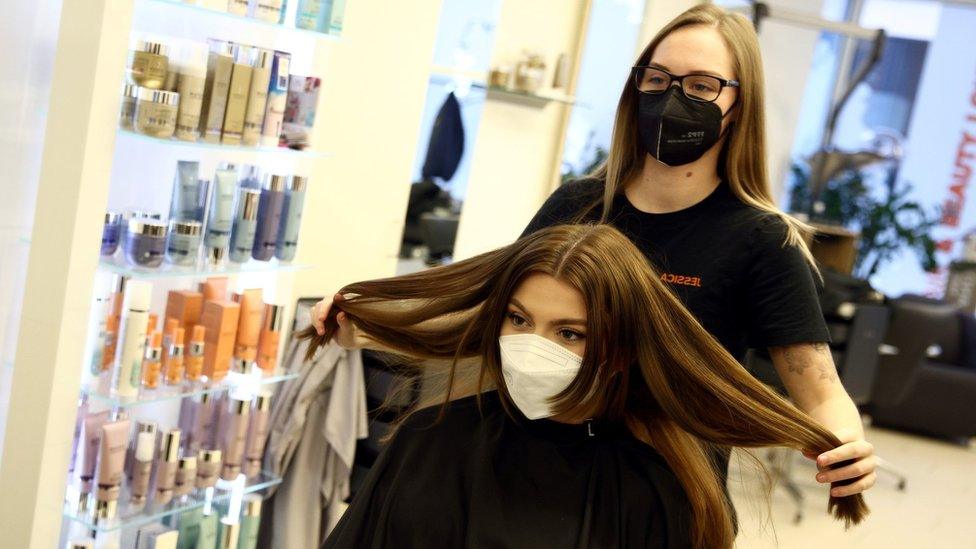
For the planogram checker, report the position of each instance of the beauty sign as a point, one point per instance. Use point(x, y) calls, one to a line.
point(940, 153)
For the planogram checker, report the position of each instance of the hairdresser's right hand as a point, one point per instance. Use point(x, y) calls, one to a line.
point(347, 336)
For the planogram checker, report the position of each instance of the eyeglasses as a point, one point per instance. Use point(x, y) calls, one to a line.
point(697, 87)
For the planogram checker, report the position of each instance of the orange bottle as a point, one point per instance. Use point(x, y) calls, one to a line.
point(270, 334)
point(174, 360)
point(151, 327)
point(111, 333)
point(151, 364)
point(194, 356)
point(169, 332)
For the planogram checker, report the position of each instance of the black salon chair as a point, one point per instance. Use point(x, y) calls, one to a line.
point(927, 383)
point(439, 231)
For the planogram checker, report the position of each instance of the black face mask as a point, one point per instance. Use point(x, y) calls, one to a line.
point(677, 130)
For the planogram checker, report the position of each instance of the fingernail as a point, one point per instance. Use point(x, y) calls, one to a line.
point(821, 478)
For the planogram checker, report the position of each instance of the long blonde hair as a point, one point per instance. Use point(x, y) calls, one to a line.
point(742, 162)
point(648, 363)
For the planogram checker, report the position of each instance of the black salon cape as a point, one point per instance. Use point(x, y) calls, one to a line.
point(480, 479)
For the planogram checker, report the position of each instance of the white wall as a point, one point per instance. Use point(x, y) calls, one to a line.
point(515, 161)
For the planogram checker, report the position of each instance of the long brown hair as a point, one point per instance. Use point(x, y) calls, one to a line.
point(648, 363)
point(743, 159)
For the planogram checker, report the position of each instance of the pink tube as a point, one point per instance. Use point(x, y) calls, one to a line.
point(257, 435)
point(91, 437)
point(111, 458)
point(234, 426)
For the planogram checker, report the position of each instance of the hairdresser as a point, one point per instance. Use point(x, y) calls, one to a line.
point(686, 181)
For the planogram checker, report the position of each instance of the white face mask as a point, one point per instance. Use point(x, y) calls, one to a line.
point(536, 369)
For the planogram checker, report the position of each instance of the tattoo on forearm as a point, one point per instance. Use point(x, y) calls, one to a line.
point(798, 361)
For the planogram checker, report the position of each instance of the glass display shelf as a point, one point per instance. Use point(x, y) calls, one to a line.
point(130, 136)
point(499, 92)
point(118, 265)
point(99, 391)
point(133, 515)
point(259, 22)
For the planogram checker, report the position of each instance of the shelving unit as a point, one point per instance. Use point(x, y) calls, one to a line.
point(132, 515)
point(169, 271)
point(124, 136)
point(443, 76)
point(192, 9)
point(167, 393)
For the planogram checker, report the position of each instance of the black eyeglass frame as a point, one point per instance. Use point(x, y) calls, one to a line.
point(723, 83)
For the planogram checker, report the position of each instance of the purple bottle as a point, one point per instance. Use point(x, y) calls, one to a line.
point(111, 233)
point(145, 242)
point(269, 217)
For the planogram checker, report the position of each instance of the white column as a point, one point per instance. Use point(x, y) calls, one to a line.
point(82, 118)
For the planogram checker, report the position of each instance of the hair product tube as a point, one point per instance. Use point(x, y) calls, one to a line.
point(274, 112)
point(111, 459)
point(186, 475)
point(221, 218)
point(257, 435)
point(135, 316)
point(143, 458)
point(192, 87)
point(234, 437)
point(203, 424)
point(291, 218)
point(269, 217)
point(208, 468)
point(261, 62)
point(91, 439)
point(245, 223)
point(169, 333)
point(270, 337)
point(250, 522)
point(220, 65)
point(174, 367)
point(194, 358)
point(230, 531)
point(237, 93)
point(248, 327)
point(185, 203)
point(169, 450)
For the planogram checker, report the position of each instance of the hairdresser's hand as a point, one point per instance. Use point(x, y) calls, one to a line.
point(856, 458)
point(347, 336)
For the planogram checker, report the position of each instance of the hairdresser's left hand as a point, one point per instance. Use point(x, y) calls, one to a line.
point(856, 456)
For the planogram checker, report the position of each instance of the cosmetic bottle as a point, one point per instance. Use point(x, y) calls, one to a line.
point(145, 242)
point(208, 468)
point(237, 93)
point(203, 421)
point(234, 433)
point(274, 112)
point(127, 114)
point(149, 64)
point(156, 112)
point(143, 460)
point(239, 7)
point(336, 16)
point(272, 11)
point(111, 233)
point(110, 340)
point(250, 177)
point(194, 355)
point(248, 327)
point(111, 460)
point(151, 326)
point(132, 343)
point(174, 366)
point(183, 245)
point(269, 217)
point(186, 476)
point(192, 84)
point(250, 522)
point(313, 15)
point(230, 531)
point(79, 420)
point(245, 223)
point(257, 435)
point(220, 64)
point(90, 441)
point(221, 218)
point(187, 204)
point(270, 337)
point(166, 466)
point(169, 335)
point(257, 100)
point(291, 218)
point(209, 531)
point(152, 364)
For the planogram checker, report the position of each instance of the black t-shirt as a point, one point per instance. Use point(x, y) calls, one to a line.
point(723, 258)
point(483, 479)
